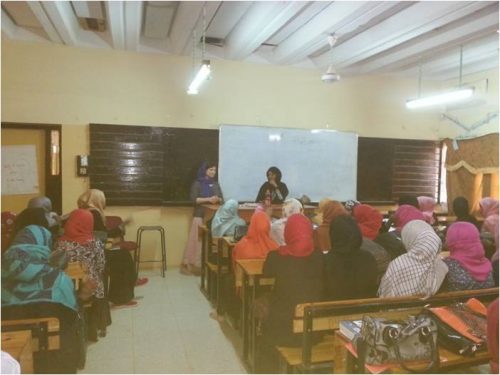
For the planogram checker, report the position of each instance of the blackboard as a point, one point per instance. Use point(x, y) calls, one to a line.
point(319, 163)
point(144, 165)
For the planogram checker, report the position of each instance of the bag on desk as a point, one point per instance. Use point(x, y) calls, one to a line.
point(240, 231)
point(461, 326)
point(387, 341)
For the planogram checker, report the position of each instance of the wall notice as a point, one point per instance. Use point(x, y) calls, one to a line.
point(19, 170)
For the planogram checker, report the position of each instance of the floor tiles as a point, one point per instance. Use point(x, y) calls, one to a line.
point(164, 333)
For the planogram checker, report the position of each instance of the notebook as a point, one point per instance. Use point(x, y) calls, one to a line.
point(350, 328)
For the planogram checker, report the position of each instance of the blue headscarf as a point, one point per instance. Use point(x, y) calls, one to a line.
point(27, 276)
point(226, 219)
point(206, 183)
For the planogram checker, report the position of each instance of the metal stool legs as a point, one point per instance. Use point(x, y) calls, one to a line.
point(137, 254)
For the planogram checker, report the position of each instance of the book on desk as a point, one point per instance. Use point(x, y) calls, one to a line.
point(350, 328)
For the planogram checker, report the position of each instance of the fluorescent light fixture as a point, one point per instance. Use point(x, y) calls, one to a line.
point(274, 137)
point(447, 97)
point(201, 76)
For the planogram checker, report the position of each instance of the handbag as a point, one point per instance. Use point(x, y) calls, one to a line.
point(461, 326)
point(384, 341)
point(240, 231)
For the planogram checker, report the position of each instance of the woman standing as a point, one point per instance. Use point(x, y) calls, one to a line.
point(273, 189)
point(204, 190)
point(80, 245)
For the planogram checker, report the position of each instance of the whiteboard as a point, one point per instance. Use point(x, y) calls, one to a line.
point(319, 163)
point(19, 170)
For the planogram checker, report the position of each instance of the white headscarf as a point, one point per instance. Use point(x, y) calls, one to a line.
point(290, 207)
point(418, 272)
point(226, 219)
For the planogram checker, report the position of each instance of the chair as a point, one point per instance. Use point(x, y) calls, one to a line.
point(137, 253)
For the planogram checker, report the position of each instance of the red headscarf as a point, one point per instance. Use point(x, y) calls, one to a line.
point(426, 205)
point(406, 213)
point(79, 227)
point(298, 237)
point(331, 210)
point(256, 243)
point(369, 220)
point(462, 239)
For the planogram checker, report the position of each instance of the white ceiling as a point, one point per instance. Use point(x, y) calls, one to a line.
point(374, 37)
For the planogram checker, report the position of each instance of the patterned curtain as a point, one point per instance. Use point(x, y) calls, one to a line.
point(472, 169)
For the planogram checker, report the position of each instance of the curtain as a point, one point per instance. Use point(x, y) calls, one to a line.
point(472, 169)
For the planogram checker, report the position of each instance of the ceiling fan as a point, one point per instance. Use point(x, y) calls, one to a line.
point(331, 74)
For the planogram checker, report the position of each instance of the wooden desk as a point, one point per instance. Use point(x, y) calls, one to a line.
point(252, 279)
point(245, 211)
point(447, 360)
point(224, 260)
point(18, 345)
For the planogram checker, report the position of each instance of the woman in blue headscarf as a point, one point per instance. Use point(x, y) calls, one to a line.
point(32, 288)
point(226, 219)
point(205, 190)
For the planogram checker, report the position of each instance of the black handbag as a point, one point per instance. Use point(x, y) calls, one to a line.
point(384, 341)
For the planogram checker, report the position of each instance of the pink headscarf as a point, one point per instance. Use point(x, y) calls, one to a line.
point(406, 213)
point(489, 210)
point(462, 239)
point(426, 205)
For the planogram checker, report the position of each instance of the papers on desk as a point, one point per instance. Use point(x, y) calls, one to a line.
point(249, 205)
point(350, 328)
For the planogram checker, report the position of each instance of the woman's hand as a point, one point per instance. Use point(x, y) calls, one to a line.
point(214, 199)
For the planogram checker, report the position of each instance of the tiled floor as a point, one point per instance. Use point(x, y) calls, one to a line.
point(169, 332)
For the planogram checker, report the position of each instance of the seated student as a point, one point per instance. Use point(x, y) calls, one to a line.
point(321, 235)
point(462, 212)
point(273, 187)
point(350, 272)
point(290, 207)
point(369, 222)
point(489, 229)
point(298, 272)
point(468, 268)
point(122, 275)
point(32, 288)
point(418, 272)
point(317, 219)
point(226, 219)
point(46, 204)
point(80, 245)
point(426, 205)
point(350, 204)
point(492, 335)
point(403, 215)
point(30, 216)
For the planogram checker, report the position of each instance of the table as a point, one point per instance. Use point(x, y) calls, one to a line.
point(18, 345)
point(447, 360)
point(245, 210)
point(252, 279)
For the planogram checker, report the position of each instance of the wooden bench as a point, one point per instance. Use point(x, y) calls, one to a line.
point(18, 345)
point(44, 331)
point(326, 316)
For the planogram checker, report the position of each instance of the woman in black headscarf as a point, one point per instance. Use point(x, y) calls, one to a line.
point(273, 187)
point(350, 272)
point(461, 211)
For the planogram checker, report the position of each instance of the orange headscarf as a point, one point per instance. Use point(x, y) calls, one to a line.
point(331, 210)
point(257, 242)
point(369, 220)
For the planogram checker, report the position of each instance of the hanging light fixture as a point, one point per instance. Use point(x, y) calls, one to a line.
point(456, 95)
point(203, 73)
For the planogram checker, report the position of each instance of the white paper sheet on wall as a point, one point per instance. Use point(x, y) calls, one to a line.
point(19, 170)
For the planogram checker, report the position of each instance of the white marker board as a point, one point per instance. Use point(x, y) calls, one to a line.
point(319, 163)
point(19, 170)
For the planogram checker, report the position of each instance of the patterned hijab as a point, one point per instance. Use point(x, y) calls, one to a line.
point(426, 205)
point(226, 219)
point(298, 237)
point(290, 207)
point(322, 233)
point(406, 213)
point(93, 199)
point(79, 227)
point(369, 220)
point(418, 272)
point(462, 239)
point(27, 276)
point(256, 243)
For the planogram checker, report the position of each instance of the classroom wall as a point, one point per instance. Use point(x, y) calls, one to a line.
point(44, 83)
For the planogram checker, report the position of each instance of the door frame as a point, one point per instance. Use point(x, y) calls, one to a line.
point(53, 183)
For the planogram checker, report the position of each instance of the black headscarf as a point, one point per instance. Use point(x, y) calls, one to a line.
point(31, 216)
point(461, 211)
point(345, 236)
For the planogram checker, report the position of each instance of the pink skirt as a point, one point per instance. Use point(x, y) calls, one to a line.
point(192, 252)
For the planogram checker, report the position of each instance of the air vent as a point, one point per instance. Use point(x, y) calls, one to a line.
point(92, 24)
point(213, 41)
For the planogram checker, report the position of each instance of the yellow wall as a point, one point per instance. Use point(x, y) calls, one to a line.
point(76, 86)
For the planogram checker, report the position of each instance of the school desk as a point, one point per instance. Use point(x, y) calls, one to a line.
point(18, 345)
point(246, 210)
point(252, 280)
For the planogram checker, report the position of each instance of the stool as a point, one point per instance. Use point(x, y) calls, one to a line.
point(137, 253)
